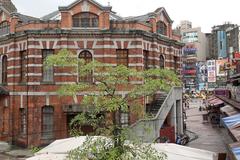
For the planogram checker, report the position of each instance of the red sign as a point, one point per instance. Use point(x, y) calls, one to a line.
point(189, 71)
point(237, 55)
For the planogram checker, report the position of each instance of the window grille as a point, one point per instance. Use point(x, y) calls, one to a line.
point(161, 28)
point(85, 20)
point(47, 71)
point(122, 57)
point(4, 28)
point(4, 69)
point(146, 59)
point(47, 122)
point(124, 119)
point(161, 60)
point(23, 121)
point(22, 65)
point(87, 57)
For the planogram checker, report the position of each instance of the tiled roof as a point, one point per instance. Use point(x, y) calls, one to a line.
point(25, 18)
point(53, 16)
point(50, 16)
point(8, 5)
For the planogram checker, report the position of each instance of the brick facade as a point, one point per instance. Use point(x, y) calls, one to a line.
point(102, 42)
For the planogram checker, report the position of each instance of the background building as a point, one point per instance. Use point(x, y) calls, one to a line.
point(223, 47)
point(221, 39)
point(194, 51)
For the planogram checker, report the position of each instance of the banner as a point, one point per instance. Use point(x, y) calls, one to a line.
point(220, 66)
point(211, 66)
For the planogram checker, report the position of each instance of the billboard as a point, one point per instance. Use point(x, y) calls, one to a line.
point(211, 67)
point(188, 37)
point(189, 49)
point(202, 72)
point(220, 67)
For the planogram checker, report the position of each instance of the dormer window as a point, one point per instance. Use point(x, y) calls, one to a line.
point(4, 28)
point(85, 20)
point(161, 28)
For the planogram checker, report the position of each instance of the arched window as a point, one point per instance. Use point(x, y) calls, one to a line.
point(87, 57)
point(161, 61)
point(4, 28)
point(47, 122)
point(4, 69)
point(85, 19)
point(161, 28)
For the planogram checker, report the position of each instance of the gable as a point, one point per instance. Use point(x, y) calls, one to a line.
point(4, 16)
point(85, 6)
point(162, 15)
point(8, 6)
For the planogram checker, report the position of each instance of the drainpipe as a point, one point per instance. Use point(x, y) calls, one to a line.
point(27, 90)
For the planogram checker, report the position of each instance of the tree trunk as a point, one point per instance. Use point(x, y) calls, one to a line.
point(117, 130)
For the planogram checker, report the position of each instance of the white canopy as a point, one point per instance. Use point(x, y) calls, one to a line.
point(178, 152)
point(59, 149)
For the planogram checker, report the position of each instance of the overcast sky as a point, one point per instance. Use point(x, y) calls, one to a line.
point(203, 13)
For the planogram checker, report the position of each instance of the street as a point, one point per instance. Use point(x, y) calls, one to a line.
point(209, 137)
point(5, 157)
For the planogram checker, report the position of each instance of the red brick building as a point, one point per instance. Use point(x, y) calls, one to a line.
point(31, 112)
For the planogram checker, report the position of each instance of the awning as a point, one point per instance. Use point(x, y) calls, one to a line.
point(215, 102)
point(236, 152)
point(211, 98)
point(4, 91)
point(229, 110)
point(61, 148)
point(235, 149)
point(233, 125)
point(230, 101)
point(231, 120)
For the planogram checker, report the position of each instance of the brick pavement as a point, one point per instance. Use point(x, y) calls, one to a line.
point(209, 138)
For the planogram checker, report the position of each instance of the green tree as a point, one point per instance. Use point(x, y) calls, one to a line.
point(111, 93)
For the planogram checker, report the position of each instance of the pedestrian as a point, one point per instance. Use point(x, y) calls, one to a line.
point(187, 103)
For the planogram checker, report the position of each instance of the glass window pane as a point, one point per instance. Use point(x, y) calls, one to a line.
point(47, 71)
point(47, 122)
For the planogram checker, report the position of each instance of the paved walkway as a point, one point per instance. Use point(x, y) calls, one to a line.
point(6, 157)
point(209, 138)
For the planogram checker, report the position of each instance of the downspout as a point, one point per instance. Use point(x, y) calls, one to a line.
point(27, 90)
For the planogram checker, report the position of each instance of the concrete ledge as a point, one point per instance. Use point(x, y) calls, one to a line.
point(4, 147)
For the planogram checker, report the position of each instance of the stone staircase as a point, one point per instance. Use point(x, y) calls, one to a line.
point(148, 130)
point(153, 108)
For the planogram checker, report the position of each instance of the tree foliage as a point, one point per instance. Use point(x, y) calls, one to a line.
point(114, 90)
